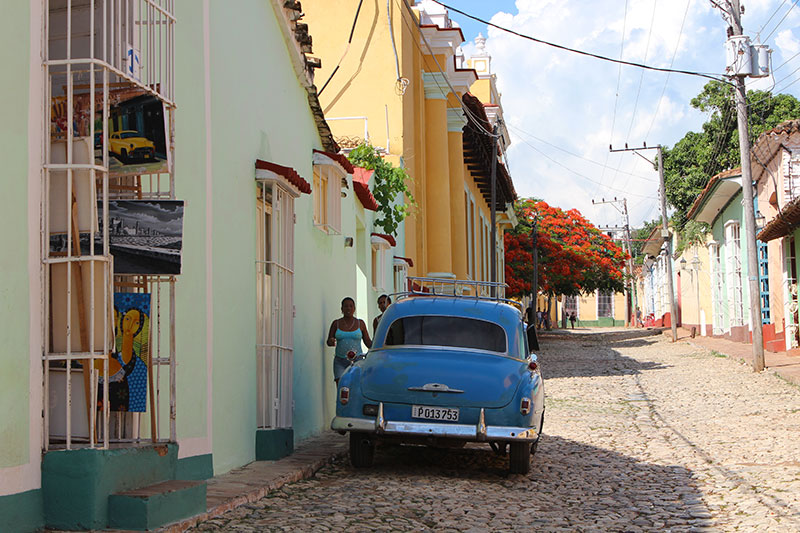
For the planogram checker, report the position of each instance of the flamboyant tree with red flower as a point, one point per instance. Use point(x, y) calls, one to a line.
point(574, 256)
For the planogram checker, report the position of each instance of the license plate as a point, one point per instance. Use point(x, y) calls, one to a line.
point(447, 414)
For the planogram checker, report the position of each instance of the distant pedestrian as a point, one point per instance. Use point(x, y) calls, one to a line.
point(639, 318)
point(572, 318)
point(384, 301)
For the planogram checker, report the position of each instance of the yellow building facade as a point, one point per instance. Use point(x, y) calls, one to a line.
point(396, 78)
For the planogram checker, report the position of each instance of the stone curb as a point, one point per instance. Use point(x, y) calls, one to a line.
point(309, 458)
point(793, 380)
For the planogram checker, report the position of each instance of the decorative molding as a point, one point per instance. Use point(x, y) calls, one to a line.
point(456, 120)
point(442, 41)
point(436, 87)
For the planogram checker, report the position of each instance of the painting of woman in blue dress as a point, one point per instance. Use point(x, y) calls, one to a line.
point(128, 366)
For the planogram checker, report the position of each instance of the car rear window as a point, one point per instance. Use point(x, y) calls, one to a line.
point(457, 332)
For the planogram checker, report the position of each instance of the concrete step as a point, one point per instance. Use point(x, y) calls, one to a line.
point(153, 506)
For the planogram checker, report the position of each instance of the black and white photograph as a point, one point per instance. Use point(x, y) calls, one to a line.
point(145, 236)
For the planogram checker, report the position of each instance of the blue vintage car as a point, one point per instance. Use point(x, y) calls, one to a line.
point(445, 370)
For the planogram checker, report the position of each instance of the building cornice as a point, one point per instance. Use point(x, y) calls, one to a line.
point(456, 120)
point(436, 87)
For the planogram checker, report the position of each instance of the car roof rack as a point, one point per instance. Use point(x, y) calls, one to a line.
point(459, 288)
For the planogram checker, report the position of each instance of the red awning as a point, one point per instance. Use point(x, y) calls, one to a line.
point(339, 158)
point(406, 259)
point(289, 173)
point(361, 185)
point(386, 237)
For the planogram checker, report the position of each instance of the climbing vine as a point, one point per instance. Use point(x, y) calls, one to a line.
point(389, 182)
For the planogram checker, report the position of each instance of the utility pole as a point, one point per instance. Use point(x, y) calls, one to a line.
point(738, 74)
point(630, 301)
point(662, 192)
point(535, 281)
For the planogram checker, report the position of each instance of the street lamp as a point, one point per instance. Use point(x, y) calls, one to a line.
point(683, 264)
point(760, 220)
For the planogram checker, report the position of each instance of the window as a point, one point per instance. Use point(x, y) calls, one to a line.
point(734, 270)
point(400, 275)
point(470, 229)
point(450, 331)
point(274, 300)
point(605, 304)
point(380, 251)
point(329, 177)
point(718, 278)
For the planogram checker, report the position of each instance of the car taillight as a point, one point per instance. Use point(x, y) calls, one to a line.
point(344, 395)
point(525, 406)
point(533, 365)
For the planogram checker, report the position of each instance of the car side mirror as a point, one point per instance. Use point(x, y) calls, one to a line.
point(533, 340)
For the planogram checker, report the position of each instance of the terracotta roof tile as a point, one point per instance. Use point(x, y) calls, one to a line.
point(289, 173)
point(385, 236)
point(361, 185)
point(339, 158)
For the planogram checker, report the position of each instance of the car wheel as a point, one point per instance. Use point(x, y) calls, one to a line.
point(362, 450)
point(519, 458)
point(124, 154)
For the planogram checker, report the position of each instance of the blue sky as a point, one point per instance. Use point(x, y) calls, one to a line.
point(563, 110)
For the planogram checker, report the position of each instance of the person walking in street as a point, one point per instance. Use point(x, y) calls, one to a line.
point(639, 318)
point(346, 334)
point(384, 301)
point(572, 318)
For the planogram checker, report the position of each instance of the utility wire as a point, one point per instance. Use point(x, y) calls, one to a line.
point(716, 77)
point(346, 48)
point(592, 161)
point(781, 21)
point(758, 33)
point(467, 112)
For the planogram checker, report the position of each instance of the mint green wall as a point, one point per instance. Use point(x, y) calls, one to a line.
point(259, 110)
point(14, 305)
point(732, 211)
point(190, 170)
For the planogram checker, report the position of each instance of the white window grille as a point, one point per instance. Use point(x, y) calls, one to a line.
point(380, 251)
point(329, 177)
point(791, 172)
point(98, 54)
point(605, 304)
point(275, 300)
point(790, 292)
point(733, 257)
point(400, 268)
point(717, 288)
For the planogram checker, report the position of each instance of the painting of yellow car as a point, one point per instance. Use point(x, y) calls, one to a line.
point(130, 145)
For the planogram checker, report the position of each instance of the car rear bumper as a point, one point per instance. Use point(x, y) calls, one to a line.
point(478, 433)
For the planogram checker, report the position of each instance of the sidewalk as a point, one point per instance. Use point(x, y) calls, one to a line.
point(255, 480)
point(780, 363)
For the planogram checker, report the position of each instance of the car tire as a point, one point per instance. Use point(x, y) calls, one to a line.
point(519, 457)
point(123, 155)
point(362, 450)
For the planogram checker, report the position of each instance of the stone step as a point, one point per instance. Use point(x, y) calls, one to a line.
point(155, 505)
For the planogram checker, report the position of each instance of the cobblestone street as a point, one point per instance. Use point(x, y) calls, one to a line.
point(640, 435)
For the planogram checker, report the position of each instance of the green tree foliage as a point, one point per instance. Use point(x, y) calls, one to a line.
point(389, 182)
point(700, 155)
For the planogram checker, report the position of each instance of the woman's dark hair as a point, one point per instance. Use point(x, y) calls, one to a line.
point(347, 298)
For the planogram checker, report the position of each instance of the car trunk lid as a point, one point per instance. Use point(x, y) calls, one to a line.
point(448, 377)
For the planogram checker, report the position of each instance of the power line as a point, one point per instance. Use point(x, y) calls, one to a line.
point(587, 178)
point(781, 21)
point(346, 48)
point(467, 112)
point(581, 52)
point(758, 33)
point(599, 164)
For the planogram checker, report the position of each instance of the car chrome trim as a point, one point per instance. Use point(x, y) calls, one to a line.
point(434, 387)
point(481, 425)
point(419, 429)
point(380, 421)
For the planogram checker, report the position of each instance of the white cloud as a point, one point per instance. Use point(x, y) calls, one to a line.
point(568, 100)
